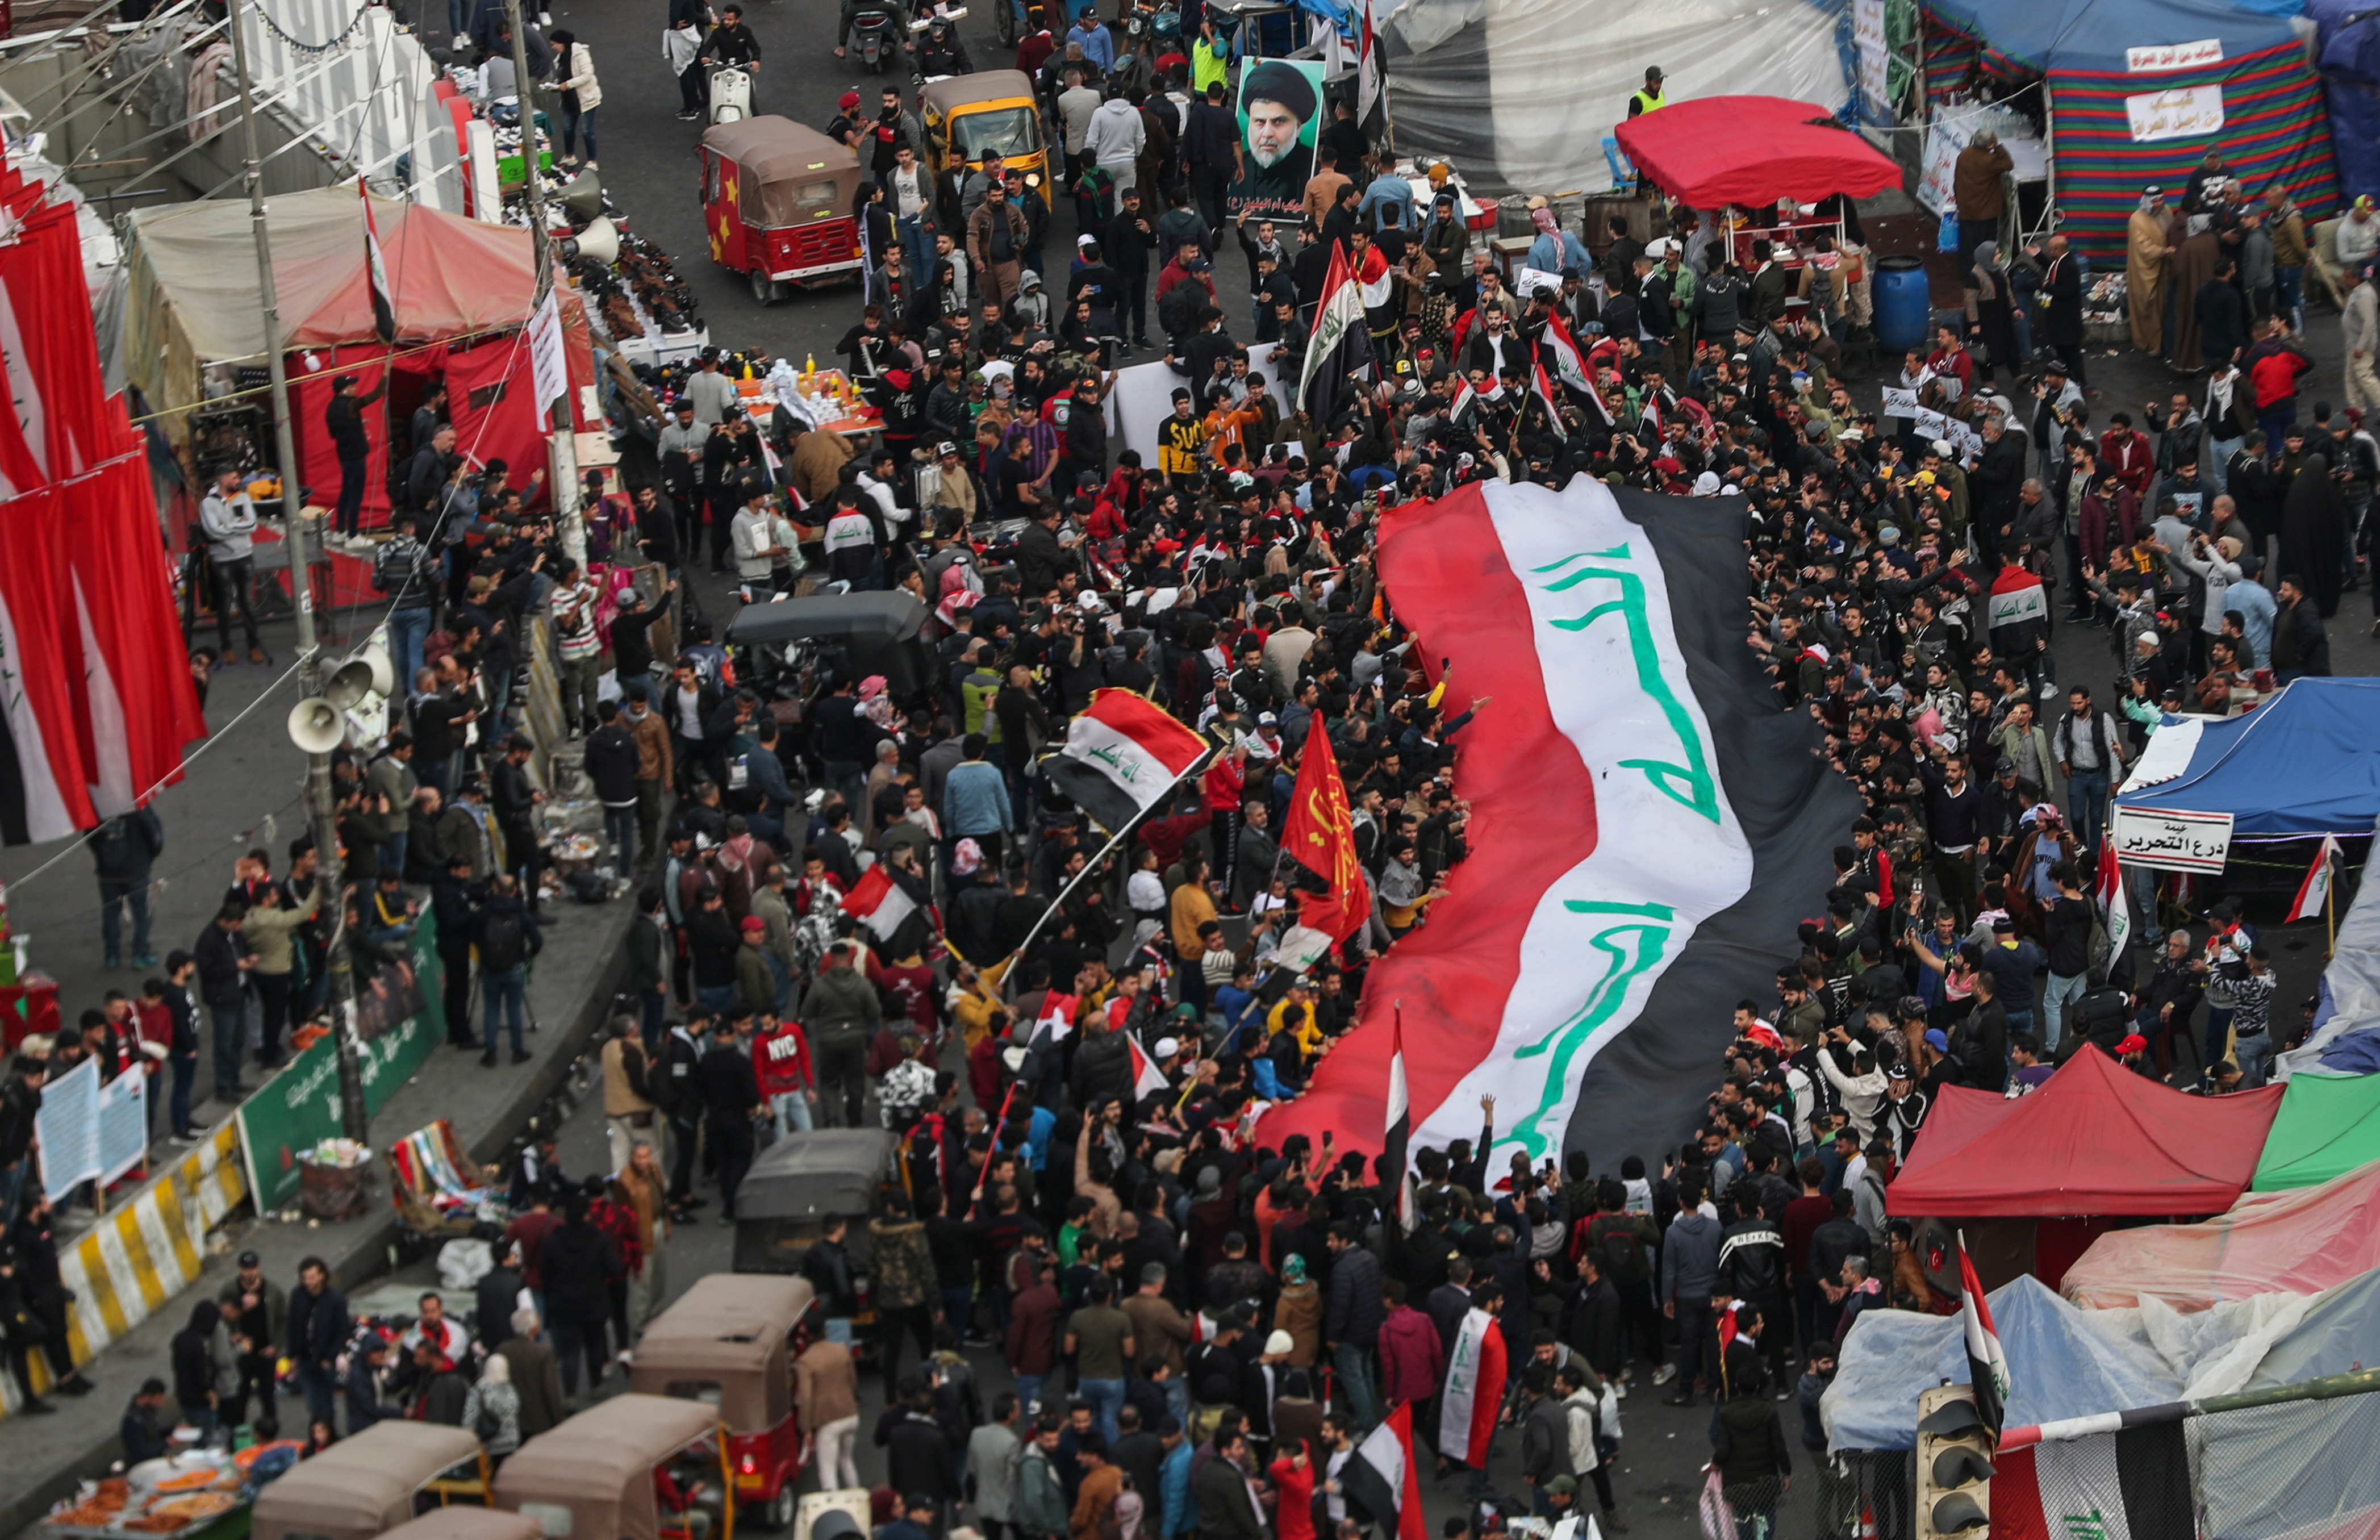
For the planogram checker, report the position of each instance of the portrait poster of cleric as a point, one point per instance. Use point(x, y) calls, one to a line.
point(1279, 100)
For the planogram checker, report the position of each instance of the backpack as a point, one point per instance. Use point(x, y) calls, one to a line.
point(501, 940)
point(1178, 311)
point(1623, 1255)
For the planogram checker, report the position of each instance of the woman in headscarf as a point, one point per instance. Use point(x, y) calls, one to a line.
point(2312, 518)
point(1988, 312)
point(2145, 256)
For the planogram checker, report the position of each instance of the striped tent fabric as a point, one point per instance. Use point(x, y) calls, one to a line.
point(1949, 53)
point(2275, 131)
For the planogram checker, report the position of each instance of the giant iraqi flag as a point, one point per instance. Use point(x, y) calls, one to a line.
point(1648, 826)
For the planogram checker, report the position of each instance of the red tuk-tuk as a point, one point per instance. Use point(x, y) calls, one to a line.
point(730, 1342)
point(777, 200)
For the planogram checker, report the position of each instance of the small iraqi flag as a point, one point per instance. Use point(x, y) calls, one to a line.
point(1987, 1364)
point(1379, 1477)
point(1147, 1078)
point(1121, 756)
point(2314, 892)
point(383, 303)
point(882, 902)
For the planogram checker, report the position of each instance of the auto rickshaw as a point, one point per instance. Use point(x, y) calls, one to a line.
point(777, 200)
point(730, 1342)
point(635, 1467)
point(786, 644)
point(461, 1522)
point(364, 1486)
point(968, 116)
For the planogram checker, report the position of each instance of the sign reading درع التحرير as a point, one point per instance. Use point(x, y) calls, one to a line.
point(2172, 839)
point(298, 1107)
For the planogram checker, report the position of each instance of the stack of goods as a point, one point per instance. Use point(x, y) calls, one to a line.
point(176, 1496)
point(645, 305)
point(2103, 309)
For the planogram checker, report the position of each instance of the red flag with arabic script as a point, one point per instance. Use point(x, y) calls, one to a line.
point(1319, 835)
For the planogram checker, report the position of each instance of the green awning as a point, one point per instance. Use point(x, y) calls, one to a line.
point(2327, 1126)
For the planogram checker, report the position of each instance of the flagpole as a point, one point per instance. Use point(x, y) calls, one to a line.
point(322, 805)
point(1105, 851)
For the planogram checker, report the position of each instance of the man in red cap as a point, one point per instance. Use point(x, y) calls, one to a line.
point(2133, 1054)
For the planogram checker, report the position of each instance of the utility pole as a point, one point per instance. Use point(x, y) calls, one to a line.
point(560, 461)
point(321, 807)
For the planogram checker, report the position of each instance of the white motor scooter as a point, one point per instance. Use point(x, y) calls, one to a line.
point(730, 94)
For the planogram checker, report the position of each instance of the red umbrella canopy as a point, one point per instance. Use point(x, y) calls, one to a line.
point(1752, 150)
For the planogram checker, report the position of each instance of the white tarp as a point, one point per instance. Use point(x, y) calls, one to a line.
point(1556, 75)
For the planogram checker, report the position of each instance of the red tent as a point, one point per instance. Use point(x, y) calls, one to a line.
point(1752, 150)
point(2094, 1139)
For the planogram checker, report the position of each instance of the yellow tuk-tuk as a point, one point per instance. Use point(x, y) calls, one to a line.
point(632, 1468)
point(777, 202)
point(730, 1342)
point(364, 1486)
point(968, 116)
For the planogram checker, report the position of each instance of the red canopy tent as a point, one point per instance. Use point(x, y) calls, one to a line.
point(1752, 150)
point(2095, 1139)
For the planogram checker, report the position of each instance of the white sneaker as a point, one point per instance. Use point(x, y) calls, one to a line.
point(1665, 1374)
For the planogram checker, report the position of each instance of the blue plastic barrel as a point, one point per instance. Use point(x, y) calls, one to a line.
point(1902, 303)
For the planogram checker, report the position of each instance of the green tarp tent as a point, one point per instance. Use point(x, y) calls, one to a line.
point(2327, 1126)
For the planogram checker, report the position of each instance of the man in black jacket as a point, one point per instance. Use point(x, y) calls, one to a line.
point(122, 849)
point(1126, 242)
point(1352, 1320)
point(513, 801)
point(1598, 1318)
point(610, 762)
point(223, 957)
point(450, 907)
point(319, 1329)
point(344, 419)
point(730, 1094)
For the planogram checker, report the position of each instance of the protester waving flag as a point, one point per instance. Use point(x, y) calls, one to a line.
point(1340, 352)
point(883, 898)
point(2115, 909)
point(1147, 1078)
point(1319, 835)
point(1121, 756)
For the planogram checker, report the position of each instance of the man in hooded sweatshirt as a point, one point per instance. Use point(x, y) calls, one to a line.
point(1689, 1273)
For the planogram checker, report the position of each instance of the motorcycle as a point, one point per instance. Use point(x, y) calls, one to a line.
point(871, 40)
point(939, 53)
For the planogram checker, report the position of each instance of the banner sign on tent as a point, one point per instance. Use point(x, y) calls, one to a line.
point(549, 365)
point(1874, 58)
point(2173, 55)
point(2192, 112)
point(2172, 840)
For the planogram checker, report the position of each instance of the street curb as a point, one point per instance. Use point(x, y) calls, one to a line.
point(556, 1081)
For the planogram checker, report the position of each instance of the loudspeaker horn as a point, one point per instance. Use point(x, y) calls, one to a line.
point(346, 688)
point(583, 197)
point(599, 242)
point(383, 668)
point(316, 726)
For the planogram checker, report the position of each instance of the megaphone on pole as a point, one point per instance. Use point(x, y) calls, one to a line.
point(599, 242)
point(368, 673)
point(583, 198)
point(316, 726)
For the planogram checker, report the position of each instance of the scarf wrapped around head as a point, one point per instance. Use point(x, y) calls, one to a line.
point(1987, 257)
point(1543, 219)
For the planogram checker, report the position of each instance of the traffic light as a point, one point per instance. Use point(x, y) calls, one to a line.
point(1954, 1464)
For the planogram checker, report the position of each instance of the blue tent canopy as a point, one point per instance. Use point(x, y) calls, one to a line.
point(2303, 764)
point(2091, 35)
